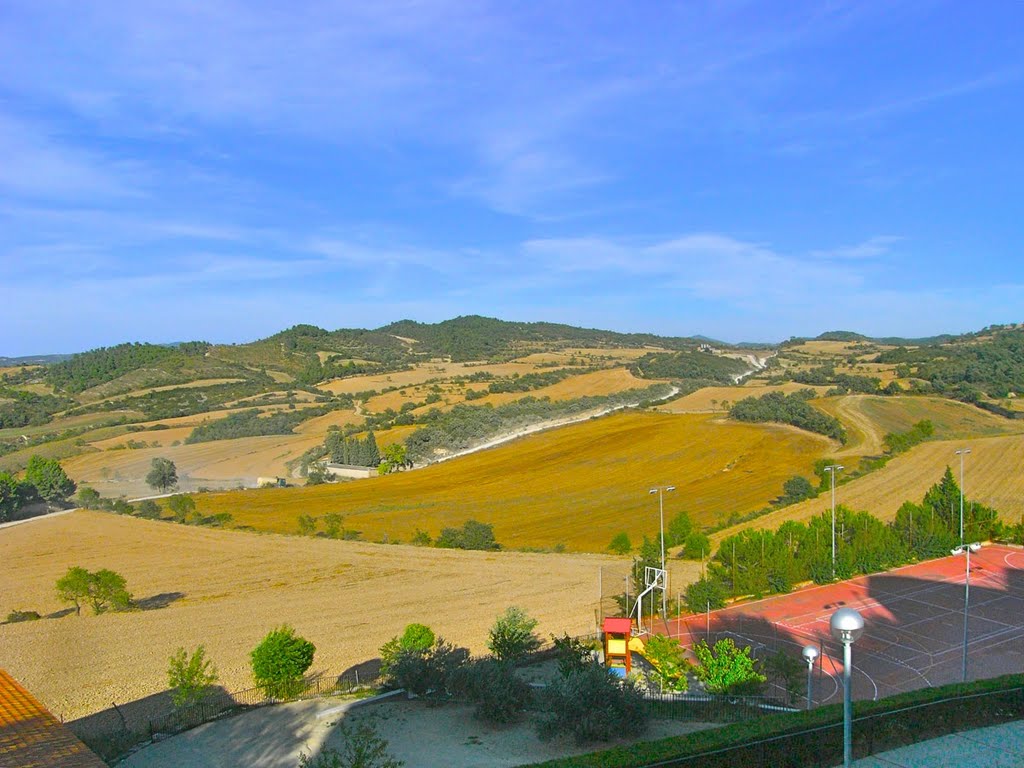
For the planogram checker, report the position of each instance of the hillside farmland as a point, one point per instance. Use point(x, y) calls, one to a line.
point(226, 590)
point(575, 486)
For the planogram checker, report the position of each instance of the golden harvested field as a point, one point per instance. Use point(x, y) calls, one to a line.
point(992, 476)
point(318, 424)
point(421, 373)
point(577, 486)
point(228, 589)
point(869, 418)
point(604, 382)
point(238, 461)
point(711, 399)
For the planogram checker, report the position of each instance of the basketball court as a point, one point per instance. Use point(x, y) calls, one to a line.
point(914, 624)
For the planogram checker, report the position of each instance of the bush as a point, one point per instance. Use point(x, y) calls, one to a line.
point(572, 654)
point(727, 669)
point(190, 677)
point(148, 509)
point(430, 673)
point(181, 507)
point(696, 546)
point(364, 748)
point(592, 706)
point(472, 535)
point(620, 544)
point(669, 666)
point(511, 638)
point(280, 661)
point(417, 638)
point(500, 695)
point(17, 616)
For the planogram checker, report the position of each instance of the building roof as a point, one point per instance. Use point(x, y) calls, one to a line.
point(30, 737)
point(618, 626)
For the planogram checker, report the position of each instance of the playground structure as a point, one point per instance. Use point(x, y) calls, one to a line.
point(617, 654)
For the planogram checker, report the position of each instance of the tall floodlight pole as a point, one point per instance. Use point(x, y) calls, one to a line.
point(847, 625)
point(661, 490)
point(961, 453)
point(832, 469)
point(966, 549)
point(810, 653)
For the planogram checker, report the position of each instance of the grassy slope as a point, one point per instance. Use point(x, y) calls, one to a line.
point(577, 486)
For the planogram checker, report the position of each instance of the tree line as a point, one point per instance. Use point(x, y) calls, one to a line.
point(98, 366)
point(789, 409)
point(759, 562)
point(45, 480)
point(465, 425)
point(689, 364)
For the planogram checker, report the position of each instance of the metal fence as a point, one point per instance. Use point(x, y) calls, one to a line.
point(707, 708)
point(822, 747)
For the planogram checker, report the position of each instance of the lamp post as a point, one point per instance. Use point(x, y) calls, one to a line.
point(966, 549)
point(661, 490)
point(810, 653)
point(832, 469)
point(961, 453)
point(847, 625)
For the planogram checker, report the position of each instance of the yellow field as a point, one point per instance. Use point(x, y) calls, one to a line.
point(576, 486)
point(421, 373)
point(712, 399)
point(992, 476)
point(868, 418)
point(227, 589)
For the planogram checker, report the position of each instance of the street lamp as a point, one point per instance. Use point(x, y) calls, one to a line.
point(966, 549)
point(810, 653)
point(832, 469)
point(847, 625)
point(661, 490)
point(961, 453)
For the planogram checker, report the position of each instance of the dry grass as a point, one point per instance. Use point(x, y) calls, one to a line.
point(869, 418)
point(577, 486)
point(711, 399)
point(992, 476)
point(421, 373)
point(347, 597)
point(604, 382)
point(222, 462)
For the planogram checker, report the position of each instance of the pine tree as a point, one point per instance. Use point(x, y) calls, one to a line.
point(372, 452)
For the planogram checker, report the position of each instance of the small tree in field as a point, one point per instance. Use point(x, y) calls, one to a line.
point(162, 475)
point(102, 590)
point(512, 635)
point(190, 677)
point(280, 661)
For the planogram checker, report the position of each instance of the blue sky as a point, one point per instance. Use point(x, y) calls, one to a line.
point(744, 170)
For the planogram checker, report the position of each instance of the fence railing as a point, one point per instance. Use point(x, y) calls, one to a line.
point(708, 708)
point(822, 746)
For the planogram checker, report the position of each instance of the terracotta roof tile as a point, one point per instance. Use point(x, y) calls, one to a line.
point(30, 737)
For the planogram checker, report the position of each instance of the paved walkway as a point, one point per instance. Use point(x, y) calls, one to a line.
point(999, 746)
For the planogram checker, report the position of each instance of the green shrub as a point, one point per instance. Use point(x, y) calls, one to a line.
point(669, 665)
point(727, 669)
point(417, 638)
point(280, 661)
point(431, 673)
point(190, 677)
point(592, 706)
point(500, 695)
point(511, 638)
point(620, 544)
point(572, 654)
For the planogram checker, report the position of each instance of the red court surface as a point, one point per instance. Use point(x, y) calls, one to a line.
point(914, 624)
